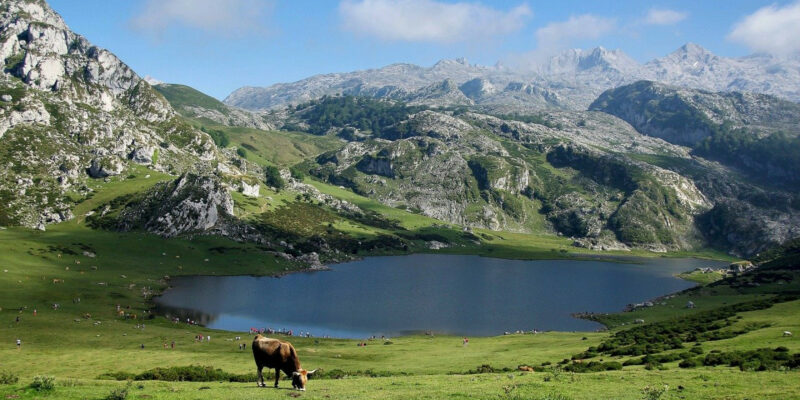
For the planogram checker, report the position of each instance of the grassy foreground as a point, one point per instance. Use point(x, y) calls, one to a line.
point(80, 341)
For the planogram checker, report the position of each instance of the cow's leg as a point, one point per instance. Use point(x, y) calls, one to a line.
point(260, 380)
point(277, 376)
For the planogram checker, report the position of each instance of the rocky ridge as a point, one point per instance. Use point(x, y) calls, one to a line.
point(570, 80)
point(478, 170)
point(71, 111)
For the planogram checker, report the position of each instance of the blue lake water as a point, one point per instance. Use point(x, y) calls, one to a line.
point(453, 294)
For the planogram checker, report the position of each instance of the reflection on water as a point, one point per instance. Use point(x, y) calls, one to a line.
point(464, 295)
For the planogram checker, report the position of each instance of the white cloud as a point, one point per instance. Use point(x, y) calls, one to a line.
point(661, 16)
point(429, 20)
point(558, 35)
point(225, 17)
point(771, 29)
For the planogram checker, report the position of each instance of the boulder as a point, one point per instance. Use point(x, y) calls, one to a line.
point(102, 168)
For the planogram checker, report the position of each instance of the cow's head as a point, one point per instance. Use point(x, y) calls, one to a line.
point(299, 378)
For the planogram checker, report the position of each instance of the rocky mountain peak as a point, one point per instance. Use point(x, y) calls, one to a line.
point(692, 54)
point(445, 63)
point(578, 60)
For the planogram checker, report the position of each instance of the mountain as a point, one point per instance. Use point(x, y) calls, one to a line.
point(624, 175)
point(483, 171)
point(649, 166)
point(764, 127)
point(570, 80)
point(695, 67)
point(597, 60)
point(71, 112)
point(756, 136)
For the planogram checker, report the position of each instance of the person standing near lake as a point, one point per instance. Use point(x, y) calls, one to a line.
point(465, 342)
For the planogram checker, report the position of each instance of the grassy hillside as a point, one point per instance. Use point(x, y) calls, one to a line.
point(92, 345)
point(276, 147)
point(182, 96)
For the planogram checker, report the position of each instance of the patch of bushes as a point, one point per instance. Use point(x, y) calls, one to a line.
point(755, 360)
point(191, 373)
point(362, 113)
point(487, 369)
point(757, 156)
point(219, 137)
point(691, 363)
point(43, 383)
point(672, 333)
point(593, 366)
point(8, 378)
point(339, 374)
point(197, 373)
point(119, 393)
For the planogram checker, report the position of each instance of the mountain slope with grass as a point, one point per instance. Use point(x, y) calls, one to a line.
point(585, 175)
point(72, 112)
point(753, 140)
point(192, 103)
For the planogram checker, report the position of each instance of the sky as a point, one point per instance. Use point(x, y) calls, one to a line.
point(217, 46)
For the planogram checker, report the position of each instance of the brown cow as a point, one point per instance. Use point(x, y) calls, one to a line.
point(273, 353)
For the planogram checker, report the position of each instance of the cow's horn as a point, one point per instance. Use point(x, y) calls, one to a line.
point(295, 373)
point(312, 371)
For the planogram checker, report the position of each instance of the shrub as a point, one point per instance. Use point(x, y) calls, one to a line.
point(191, 373)
point(593, 366)
point(654, 392)
point(691, 363)
point(42, 383)
point(118, 376)
point(297, 173)
point(484, 369)
point(272, 177)
point(119, 393)
point(755, 360)
point(8, 378)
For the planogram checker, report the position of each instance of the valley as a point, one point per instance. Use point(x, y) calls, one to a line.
point(452, 200)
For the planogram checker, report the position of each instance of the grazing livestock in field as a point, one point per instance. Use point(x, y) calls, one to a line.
point(787, 333)
point(273, 353)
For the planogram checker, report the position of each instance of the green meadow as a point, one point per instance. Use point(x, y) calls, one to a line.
point(85, 344)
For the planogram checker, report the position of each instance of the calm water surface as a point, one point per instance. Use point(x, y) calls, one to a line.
point(462, 295)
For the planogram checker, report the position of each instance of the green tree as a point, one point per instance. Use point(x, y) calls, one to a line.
point(273, 177)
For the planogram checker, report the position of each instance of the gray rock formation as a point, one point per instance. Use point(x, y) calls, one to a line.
point(190, 204)
point(72, 111)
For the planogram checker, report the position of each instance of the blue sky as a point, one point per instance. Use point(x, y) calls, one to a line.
point(218, 46)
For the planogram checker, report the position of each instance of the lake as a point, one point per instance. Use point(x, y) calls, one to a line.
point(452, 294)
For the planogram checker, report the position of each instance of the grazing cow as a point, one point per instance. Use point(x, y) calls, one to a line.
point(787, 333)
point(273, 353)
